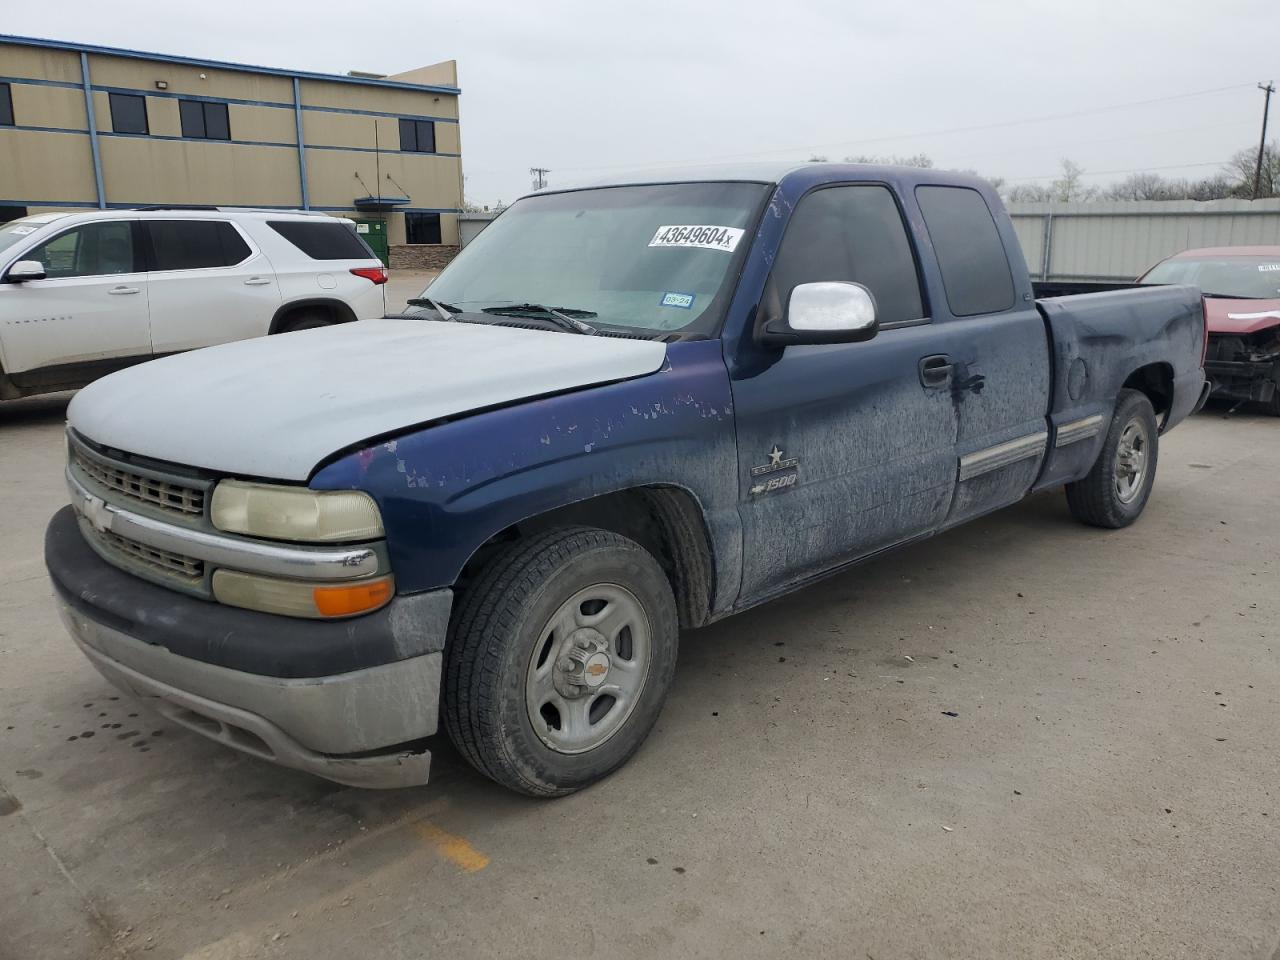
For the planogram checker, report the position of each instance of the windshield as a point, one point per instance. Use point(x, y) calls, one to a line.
point(15, 232)
point(653, 259)
point(1246, 277)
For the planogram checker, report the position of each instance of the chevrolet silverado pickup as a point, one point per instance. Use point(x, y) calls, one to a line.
point(625, 409)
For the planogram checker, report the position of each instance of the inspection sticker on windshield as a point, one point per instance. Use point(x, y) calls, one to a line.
point(682, 300)
point(705, 237)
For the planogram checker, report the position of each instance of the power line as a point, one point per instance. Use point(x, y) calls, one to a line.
point(929, 133)
point(1100, 173)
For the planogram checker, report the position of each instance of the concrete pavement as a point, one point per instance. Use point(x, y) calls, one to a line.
point(1078, 760)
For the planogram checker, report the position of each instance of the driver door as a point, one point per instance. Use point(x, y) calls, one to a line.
point(91, 306)
point(843, 449)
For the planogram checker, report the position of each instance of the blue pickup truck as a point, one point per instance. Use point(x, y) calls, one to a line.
point(625, 409)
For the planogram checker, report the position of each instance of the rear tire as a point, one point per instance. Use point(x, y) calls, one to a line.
point(559, 660)
point(305, 321)
point(1114, 493)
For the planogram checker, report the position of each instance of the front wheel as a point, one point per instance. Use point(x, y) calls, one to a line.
point(559, 661)
point(1115, 491)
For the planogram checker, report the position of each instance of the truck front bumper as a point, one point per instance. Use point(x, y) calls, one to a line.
point(347, 700)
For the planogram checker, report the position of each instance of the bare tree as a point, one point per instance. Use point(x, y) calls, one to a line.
point(1242, 165)
point(1031, 193)
point(1070, 186)
point(1145, 186)
point(922, 160)
point(817, 158)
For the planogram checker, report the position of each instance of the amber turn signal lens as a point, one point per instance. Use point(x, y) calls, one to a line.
point(352, 598)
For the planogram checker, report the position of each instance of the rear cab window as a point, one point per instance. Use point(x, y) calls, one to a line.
point(975, 268)
point(323, 240)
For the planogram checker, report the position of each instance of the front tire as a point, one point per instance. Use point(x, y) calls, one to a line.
point(559, 660)
point(1114, 493)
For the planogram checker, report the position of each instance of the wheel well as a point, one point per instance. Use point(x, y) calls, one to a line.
point(666, 521)
point(1156, 381)
point(335, 310)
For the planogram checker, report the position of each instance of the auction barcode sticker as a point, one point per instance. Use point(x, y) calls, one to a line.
point(704, 236)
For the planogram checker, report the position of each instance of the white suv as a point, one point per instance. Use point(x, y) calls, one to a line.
point(83, 294)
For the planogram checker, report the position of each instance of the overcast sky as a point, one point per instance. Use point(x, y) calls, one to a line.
point(585, 87)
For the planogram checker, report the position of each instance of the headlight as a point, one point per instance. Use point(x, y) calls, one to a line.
point(294, 513)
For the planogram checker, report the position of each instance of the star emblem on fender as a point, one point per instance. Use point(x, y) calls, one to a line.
point(775, 456)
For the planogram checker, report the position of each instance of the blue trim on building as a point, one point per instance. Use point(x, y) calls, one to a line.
point(86, 48)
point(65, 84)
point(93, 129)
point(301, 145)
point(384, 150)
point(34, 129)
point(163, 136)
point(90, 204)
point(78, 204)
point(379, 113)
point(171, 95)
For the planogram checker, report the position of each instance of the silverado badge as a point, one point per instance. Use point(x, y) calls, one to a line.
point(776, 464)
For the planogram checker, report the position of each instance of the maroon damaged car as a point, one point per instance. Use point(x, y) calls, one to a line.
point(1241, 287)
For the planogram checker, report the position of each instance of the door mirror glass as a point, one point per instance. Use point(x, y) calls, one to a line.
point(825, 312)
point(25, 270)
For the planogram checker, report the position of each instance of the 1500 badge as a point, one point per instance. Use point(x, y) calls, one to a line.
point(777, 463)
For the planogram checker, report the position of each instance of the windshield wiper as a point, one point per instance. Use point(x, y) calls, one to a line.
point(447, 311)
point(556, 314)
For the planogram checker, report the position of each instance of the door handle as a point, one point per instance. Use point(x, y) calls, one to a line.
point(257, 281)
point(121, 291)
point(936, 371)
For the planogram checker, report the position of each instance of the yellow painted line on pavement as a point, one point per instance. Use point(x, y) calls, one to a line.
point(455, 849)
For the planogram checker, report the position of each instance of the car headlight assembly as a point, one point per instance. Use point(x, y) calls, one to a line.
point(275, 512)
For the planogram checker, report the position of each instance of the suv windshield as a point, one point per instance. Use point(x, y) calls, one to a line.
point(1246, 277)
point(15, 232)
point(653, 259)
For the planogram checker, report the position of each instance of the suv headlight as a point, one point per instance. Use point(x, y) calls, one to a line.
point(294, 513)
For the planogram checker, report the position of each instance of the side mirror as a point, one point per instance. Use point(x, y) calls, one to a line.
point(828, 312)
point(25, 270)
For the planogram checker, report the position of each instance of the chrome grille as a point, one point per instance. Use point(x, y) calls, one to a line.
point(164, 562)
point(172, 497)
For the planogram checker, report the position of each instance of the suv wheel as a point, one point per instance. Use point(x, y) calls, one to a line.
point(305, 321)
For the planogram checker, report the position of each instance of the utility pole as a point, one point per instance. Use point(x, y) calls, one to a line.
point(539, 175)
point(1268, 89)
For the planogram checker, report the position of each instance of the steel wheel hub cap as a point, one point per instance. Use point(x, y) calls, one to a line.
point(1131, 461)
point(588, 668)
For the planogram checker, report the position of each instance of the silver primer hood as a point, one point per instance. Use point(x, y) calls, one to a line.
point(276, 406)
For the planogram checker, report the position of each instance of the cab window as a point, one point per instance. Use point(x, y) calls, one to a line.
point(851, 233)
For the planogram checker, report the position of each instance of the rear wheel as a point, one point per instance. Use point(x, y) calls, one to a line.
point(1115, 491)
point(306, 321)
point(559, 661)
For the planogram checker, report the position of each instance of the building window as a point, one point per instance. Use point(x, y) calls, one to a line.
point(204, 121)
point(10, 213)
point(6, 106)
point(418, 136)
point(128, 113)
point(422, 227)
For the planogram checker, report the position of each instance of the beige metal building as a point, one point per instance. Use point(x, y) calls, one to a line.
point(87, 126)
